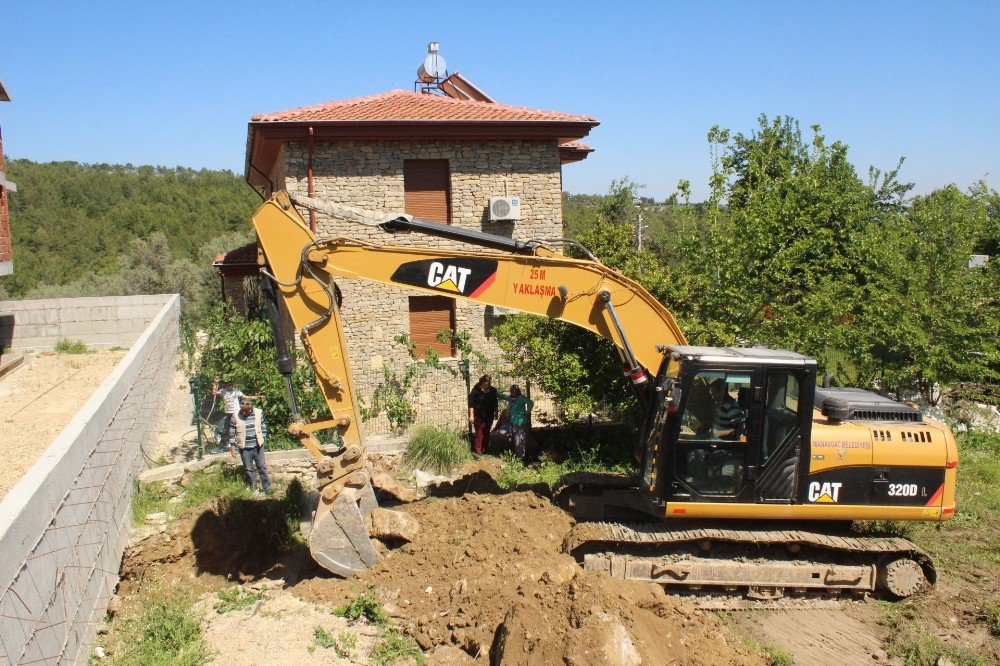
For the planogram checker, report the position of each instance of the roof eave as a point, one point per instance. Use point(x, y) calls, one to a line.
point(262, 133)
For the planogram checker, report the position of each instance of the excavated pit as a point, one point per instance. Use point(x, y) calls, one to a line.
point(483, 581)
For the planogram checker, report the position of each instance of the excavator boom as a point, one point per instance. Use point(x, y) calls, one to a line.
point(528, 278)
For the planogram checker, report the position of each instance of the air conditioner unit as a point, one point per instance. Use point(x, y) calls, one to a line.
point(505, 208)
point(503, 312)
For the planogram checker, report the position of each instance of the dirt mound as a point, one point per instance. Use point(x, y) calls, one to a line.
point(486, 574)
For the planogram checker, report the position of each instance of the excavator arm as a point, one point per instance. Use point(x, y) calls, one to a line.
point(529, 277)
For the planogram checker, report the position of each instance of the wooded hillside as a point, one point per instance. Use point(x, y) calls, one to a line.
point(71, 220)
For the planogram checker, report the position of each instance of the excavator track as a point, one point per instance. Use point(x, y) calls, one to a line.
point(761, 561)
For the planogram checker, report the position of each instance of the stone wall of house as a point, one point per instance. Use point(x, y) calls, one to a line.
point(369, 175)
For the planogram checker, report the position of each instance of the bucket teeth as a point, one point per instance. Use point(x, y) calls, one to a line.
point(339, 538)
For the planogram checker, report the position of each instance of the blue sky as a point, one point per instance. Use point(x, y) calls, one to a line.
point(175, 83)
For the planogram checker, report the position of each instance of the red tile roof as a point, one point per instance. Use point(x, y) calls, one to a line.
point(404, 105)
point(241, 256)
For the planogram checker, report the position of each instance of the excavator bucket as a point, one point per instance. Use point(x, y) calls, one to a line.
point(339, 538)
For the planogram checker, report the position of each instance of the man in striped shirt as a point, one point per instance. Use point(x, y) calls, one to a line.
point(247, 434)
point(729, 418)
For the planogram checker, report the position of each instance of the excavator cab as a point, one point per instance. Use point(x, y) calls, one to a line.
point(729, 425)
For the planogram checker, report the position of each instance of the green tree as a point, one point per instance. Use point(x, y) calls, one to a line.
point(71, 221)
point(231, 346)
point(922, 316)
point(771, 260)
point(582, 371)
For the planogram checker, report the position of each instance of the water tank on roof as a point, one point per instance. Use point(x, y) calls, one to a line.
point(434, 67)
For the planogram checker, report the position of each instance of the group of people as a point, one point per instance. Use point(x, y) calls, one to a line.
point(484, 401)
point(244, 430)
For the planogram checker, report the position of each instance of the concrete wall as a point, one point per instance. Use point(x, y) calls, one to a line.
point(100, 322)
point(369, 175)
point(64, 526)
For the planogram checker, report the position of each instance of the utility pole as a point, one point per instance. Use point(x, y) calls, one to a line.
point(639, 229)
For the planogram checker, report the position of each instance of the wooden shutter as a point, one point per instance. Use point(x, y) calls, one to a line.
point(426, 189)
point(429, 315)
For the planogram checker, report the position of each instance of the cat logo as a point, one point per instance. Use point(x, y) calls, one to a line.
point(461, 276)
point(826, 493)
point(448, 278)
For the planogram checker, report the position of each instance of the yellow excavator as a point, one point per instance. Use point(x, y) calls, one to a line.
point(750, 474)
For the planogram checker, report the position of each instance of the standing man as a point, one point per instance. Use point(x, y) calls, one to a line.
point(519, 408)
point(247, 434)
point(230, 404)
point(482, 412)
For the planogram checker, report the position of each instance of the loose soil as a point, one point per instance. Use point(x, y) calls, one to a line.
point(279, 630)
point(485, 580)
point(37, 401)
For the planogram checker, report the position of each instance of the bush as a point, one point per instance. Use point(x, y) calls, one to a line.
point(437, 449)
point(235, 348)
point(67, 346)
point(363, 606)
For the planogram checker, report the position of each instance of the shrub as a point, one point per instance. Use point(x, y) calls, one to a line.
point(992, 614)
point(363, 606)
point(67, 346)
point(438, 449)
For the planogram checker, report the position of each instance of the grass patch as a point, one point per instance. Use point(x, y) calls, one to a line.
point(909, 639)
point(149, 498)
point(322, 639)
point(776, 656)
point(969, 543)
point(292, 502)
point(160, 627)
point(343, 644)
point(991, 614)
point(436, 449)
point(515, 473)
point(236, 598)
point(572, 448)
point(67, 346)
point(216, 482)
point(363, 606)
point(393, 645)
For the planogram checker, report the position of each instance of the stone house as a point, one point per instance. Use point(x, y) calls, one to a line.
point(437, 155)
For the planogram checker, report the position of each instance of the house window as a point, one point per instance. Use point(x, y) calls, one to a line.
point(429, 315)
point(426, 190)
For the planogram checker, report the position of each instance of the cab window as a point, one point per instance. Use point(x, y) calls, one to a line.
point(711, 451)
